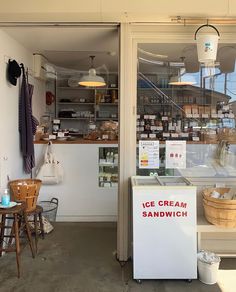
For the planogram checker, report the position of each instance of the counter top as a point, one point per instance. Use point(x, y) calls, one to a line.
point(84, 141)
point(79, 141)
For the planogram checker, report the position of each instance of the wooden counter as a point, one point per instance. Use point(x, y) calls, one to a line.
point(79, 141)
point(84, 141)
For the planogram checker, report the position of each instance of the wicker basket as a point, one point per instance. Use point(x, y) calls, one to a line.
point(50, 209)
point(227, 134)
point(219, 212)
point(26, 190)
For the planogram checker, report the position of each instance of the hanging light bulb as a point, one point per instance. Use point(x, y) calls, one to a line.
point(92, 79)
point(182, 78)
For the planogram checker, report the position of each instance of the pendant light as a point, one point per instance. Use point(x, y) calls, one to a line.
point(182, 78)
point(92, 80)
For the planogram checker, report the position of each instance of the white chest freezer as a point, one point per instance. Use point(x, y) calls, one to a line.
point(164, 228)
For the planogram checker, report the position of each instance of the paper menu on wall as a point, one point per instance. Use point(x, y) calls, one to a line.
point(148, 154)
point(176, 154)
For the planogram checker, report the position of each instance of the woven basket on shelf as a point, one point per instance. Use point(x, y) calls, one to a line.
point(220, 212)
point(227, 134)
point(26, 190)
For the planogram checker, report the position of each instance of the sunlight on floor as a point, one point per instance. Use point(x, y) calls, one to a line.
point(227, 280)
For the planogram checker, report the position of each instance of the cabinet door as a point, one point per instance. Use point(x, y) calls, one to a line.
point(108, 167)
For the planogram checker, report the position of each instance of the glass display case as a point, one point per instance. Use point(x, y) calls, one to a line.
point(108, 167)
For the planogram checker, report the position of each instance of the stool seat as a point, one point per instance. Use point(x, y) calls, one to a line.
point(37, 210)
point(20, 221)
point(16, 209)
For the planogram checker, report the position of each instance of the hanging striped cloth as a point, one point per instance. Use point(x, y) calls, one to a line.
point(27, 124)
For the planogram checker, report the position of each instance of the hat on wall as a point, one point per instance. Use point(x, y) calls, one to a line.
point(13, 71)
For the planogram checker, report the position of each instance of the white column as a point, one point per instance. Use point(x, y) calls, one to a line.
point(127, 138)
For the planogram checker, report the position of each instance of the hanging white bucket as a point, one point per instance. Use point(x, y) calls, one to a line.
point(207, 45)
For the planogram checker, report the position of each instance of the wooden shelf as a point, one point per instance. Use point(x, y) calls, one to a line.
point(70, 98)
point(108, 88)
point(155, 104)
point(75, 88)
point(105, 119)
point(108, 164)
point(60, 118)
point(107, 103)
point(87, 88)
point(79, 103)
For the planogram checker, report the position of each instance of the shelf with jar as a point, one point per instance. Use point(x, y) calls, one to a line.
point(108, 167)
point(185, 117)
point(190, 125)
point(78, 103)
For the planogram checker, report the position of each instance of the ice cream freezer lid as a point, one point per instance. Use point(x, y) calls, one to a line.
point(145, 181)
point(159, 181)
point(173, 181)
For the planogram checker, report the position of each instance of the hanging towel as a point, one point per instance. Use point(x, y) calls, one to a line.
point(27, 123)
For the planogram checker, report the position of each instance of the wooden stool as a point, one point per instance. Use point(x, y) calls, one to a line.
point(37, 218)
point(20, 221)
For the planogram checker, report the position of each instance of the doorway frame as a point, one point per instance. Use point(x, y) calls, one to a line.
point(131, 34)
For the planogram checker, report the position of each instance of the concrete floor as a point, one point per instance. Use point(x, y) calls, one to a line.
point(81, 257)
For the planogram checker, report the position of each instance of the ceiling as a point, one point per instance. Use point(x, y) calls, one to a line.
point(70, 47)
point(180, 54)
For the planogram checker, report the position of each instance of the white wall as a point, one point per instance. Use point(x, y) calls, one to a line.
point(10, 158)
point(106, 10)
point(79, 195)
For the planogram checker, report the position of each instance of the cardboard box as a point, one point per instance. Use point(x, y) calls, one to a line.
point(201, 109)
point(194, 109)
point(207, 109)
point(187, 109)
point(213, 110)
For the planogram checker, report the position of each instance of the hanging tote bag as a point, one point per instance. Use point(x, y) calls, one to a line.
point(51, 171)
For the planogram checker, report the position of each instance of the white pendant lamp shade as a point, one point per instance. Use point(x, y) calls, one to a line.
point(92, 79)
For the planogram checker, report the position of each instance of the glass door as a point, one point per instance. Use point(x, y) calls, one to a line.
point(185, 106)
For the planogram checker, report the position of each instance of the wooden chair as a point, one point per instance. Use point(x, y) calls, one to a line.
point(27, 190)
point(20, 221)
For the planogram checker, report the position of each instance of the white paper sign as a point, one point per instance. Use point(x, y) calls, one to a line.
point(148, 154)
point(176, 154)
point(189, 115)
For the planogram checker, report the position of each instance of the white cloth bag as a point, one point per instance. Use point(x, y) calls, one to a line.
point(51, 171)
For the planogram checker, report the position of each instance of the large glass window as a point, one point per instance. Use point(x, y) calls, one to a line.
point(180, 99)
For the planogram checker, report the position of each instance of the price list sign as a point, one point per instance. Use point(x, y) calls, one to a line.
point(176, 154)
point(148, 154)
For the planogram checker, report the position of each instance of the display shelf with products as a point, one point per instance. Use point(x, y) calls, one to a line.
point(81, 104)
point(108, 167)
point(182, 113)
